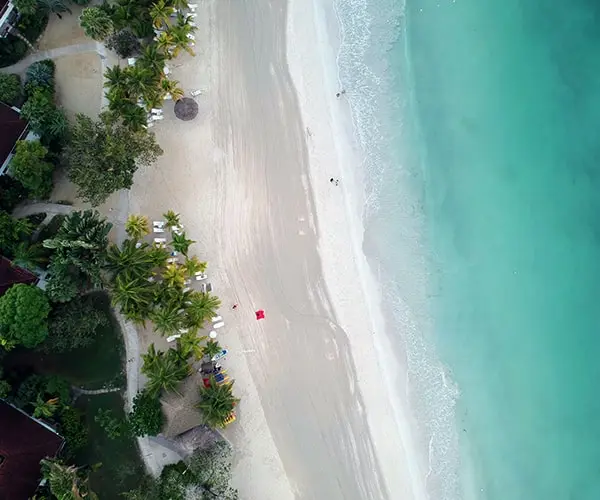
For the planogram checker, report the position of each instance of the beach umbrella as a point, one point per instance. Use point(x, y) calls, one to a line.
point(260, 314)
point(186, 109)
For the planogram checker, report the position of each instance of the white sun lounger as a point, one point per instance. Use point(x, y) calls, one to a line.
point(151, 124)
point(138, 244)
point(194, 5)
point(206, 287)
point(186, 289)
point(216, 319)
point(131, 61)
point(156, 111)
point(201, 276)
point(220, 324)
point(157, 229)
point(184, 330)
point(195, 93)
point(158, 223)
point(161, 242)
point(194, 14)
point(172, 260)
point(157, 117)
point(173, 337)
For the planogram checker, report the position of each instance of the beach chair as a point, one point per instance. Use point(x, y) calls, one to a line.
point(186, 289)
point(184, 330)
point(196, 93)
point(157, 117)
point(206, 287)
point(201, 276)
point(193, 5)
point(216, 319)
point(218, 325)
point(173, 338)
point(193, 14)
point(160, 242)
point(150, 125)
point(131, 61)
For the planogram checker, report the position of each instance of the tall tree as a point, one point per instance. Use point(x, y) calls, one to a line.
point(24, 313)
point(30, 168)
point(172, 219)
point(165, 370)
point(190, 345)
point(103, 155)
point(200, 307)
point(135, 259)
point(211, 469)
point(174, 276)
point(29, 256)
point(133, 295)
point(137, 226)
point(12, 231)
point(10, 88)
point(67, 482)
point(81, 242)
point(43, 408)
point(57, 7)
point(180, 243)
point(160, 13)
point(96, 23)
point(216, 403)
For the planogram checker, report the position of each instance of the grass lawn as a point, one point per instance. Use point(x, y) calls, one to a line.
point(91, 367)
point(121, 468)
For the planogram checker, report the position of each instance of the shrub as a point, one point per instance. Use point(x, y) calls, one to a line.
point(73, 429)
point(113, 426)
point(96, 23)
point(147, 417)
point(74, 325)
point(61, 284)
point(12, 49)
point(26, 7)
point(40, 74)
point(124, 43)
point(10, 89)
point(30, 168)
point(24, 313)
point(47, 387)
point(12, 193)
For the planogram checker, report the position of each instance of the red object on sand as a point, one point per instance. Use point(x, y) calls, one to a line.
point(260, 314)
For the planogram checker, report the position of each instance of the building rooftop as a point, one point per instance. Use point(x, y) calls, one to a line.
point(11, 275)
point(24, 441)
point(12, 128)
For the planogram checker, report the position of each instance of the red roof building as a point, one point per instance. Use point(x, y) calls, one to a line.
point(12, 129)
point(24, 441)
point(11, 275)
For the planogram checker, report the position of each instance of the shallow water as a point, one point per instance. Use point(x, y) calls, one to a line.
point(479, 123)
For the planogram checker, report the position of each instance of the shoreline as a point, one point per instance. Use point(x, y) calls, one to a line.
point(388, 441)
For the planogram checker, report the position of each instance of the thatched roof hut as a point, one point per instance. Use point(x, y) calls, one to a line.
point(186, 109)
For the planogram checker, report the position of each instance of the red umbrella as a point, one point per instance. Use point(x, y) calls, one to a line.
point(260, 314)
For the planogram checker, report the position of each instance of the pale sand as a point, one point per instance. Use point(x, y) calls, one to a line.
point(63, 32)
point(239, 175)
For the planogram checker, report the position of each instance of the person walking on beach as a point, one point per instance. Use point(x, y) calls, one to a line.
point(340, 93)
point(334, 181)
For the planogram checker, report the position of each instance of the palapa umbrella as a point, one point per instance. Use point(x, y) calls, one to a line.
point(186, 109)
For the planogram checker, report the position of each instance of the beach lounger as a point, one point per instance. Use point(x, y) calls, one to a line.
point(131, 61)
point(173, 337)
point(156, 111)
point(158, 229)
point(218, 325)
point(151, 124)
point(186, 289)
point(201, 276)
point(196, 93)
point(184, 330)
point(138, 244)
point(187, 282)
point(194, 5)
point(161, 242)
point(216, 318)
point(193, 14)
point(157, 117)
point(206, 287)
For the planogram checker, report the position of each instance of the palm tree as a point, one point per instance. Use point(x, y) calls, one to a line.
point(167, 319)
point(53, 7)
point(180, 243)
point(159, 256)
point(179, 35)
point(115, 76)
point(174, 276)
point(200, 307)
point(180, 5)
point(66, 482)
point(132, 258)
point(212, 348)
point(137, 226)
point(132, 294)
point(153, 59)
point(165, 42)
point(96, 23)
point(171, 219)
point(140, 80)
point(44, 409)
point(190, 344)
point(29, 256)
point(216, 403)
point(134, 116)
point(170, 87)
point(164, 370)
point(57, 123)
point(160, 13)
point(193, 265)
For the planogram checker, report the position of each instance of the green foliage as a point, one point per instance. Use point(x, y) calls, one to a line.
point(73, 429)
point(103, 155)
point(5, 387)
point(133, 295)
point(10, 88)
point(164, 370)
point(74, 325)
point(12, 193)
point(114, 427)
point(12, 48)
point(40, 75)
point(212, 348)
point(124, 43)
point(181, 243)
point(137, 226)
point(41, 113)
point(62, 282)
point(135, 260)
point(216, 403)
point(27, 7)
point(200, 307)
point(81, 2)
point(96, 23)
point(24, 313)
point(66, 482)
point(133, 15)
point(12, 231)
point(57, 7)
point(146, 418)
point(43, 408)
point(29, 167)
point(29, 256)
point(46, 386)
point(80, 246)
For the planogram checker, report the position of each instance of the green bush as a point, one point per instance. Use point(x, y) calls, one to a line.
point(12, 49)
point(147, 417)
point(12, 193)
point(10, 89)
point(40, 74)
point(30, 168)
point(73, 429)
point(51, 386)
point(24, 313)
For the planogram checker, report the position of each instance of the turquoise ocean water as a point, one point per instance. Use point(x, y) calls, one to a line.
point(480, 122)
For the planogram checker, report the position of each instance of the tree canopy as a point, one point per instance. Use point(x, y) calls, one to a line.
point(24, 313)
point(10, 88)
point(147, 417)
point(30, 168)
point(102, 156)
point(96, 23)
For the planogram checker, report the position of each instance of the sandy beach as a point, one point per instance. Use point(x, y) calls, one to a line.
point(250, 177)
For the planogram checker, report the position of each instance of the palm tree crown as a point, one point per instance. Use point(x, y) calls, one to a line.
point(216, 403)
point(164, 370)
point(137, 226)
